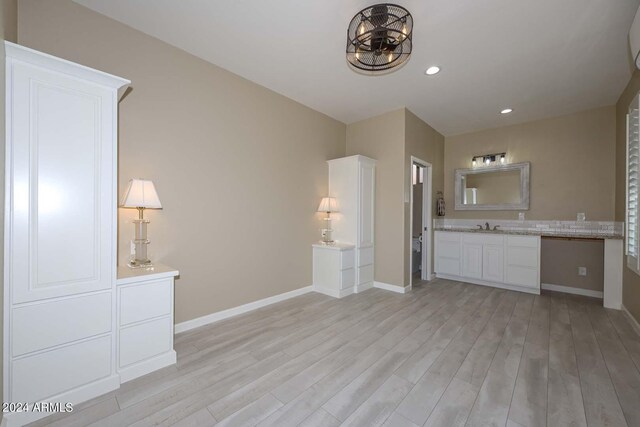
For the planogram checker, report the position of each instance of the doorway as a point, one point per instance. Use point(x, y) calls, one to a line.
point(420, 211)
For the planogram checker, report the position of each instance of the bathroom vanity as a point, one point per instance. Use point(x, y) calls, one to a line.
point(510, 259)
point(489, 258)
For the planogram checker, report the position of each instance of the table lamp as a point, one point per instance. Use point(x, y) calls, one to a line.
point(141, 194)
point(328, 205)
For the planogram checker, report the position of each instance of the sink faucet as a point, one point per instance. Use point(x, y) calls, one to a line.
point(486, 225)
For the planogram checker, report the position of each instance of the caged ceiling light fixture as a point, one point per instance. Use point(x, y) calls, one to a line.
point(379, 38)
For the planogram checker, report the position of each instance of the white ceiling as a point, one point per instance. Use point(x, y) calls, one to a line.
point(541, 57)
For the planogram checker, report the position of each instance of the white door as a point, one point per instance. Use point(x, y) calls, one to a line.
point(62, 174)
point(472, 260)
point(493, 263)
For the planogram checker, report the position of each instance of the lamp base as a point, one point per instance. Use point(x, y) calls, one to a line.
point(140, 263)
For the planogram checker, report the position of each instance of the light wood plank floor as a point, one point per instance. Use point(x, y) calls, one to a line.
point(446, 354)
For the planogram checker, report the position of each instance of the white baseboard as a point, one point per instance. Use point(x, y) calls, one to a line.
point(572, 290)
point(225, 314)
point(392, 288)
point(632, 319)
point(147, 366)
point(363, 287)
point(332, 292)
point(524, 289)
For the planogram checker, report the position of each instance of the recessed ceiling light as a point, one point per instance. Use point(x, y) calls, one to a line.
point(432, 70)
point(506, 111)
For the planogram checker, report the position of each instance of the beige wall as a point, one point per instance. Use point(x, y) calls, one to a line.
point(572, 164)
point(239, 169)
point(560, 260)
point(9, 20)
point(425, 143)
point(631, 281)
point(382, 138)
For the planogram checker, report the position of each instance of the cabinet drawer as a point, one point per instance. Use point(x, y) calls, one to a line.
point(448, 266)
point(365, 256)
point(49, 324)
point(38, 377)
point(483, 238)
point(447, 236)
point(525, 241)
point(140, 342)
point(365, 274)
point(347, 278)
point(145, 301)
point(347, 259)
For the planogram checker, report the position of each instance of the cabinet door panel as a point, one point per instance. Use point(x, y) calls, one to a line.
point(472, 261)
point(367, 183)
point(493, 263)
point(62, 195)
point(448, 266)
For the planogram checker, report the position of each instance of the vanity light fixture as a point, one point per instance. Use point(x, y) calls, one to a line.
point(506, 111)
point(489, 159)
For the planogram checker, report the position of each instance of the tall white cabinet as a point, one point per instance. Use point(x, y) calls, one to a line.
point(352, 183)
point(60, 230)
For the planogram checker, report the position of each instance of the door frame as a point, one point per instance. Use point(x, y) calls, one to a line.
point(427, 229)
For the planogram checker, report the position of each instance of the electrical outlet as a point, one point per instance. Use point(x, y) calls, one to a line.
point(581, 217)
point(582, 271)
point(520, 216)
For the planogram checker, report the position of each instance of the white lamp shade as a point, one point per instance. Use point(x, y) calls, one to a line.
point(141, 193)
point(328, 204)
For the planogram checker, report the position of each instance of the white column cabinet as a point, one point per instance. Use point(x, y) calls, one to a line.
point(352, 183)
point(492, 259)
point(60, 230)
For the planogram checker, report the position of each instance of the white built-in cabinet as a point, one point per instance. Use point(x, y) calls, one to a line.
point(352, 183)
point(334, 272)
point(500, 260)
point(60, 231)
point(145, 320)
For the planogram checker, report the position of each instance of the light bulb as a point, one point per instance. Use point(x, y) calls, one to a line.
point(473, 162)
point(487, 160)
point(502, 159)
point(432, 70)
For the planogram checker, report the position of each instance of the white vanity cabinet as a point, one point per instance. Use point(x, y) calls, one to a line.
point(492, 259)
point(60, 231)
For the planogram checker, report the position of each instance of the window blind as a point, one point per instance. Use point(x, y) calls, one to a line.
point(633, 162)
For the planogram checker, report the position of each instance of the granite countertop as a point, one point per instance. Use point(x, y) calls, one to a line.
point(539, 232)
